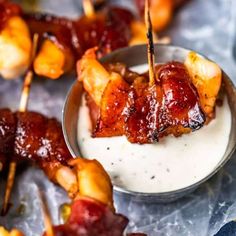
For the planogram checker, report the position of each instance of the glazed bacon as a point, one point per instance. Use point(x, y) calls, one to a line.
point(130, 106)
point(145, 113)
point(109, 29)
point(32, 136)
point(117, 31)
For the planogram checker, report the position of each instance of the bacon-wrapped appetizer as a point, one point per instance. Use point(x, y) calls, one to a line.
point(180, 100)
point(15, 41)
point(38, 139)
point(64, 41)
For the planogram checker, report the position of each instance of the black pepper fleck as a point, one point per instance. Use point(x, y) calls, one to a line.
point(108, 148)
point(153, 177)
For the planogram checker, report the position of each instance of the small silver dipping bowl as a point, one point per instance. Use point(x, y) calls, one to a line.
point(133, 56)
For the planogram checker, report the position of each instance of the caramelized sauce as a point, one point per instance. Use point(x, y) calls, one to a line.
point(144, 114)
point(32, 136)
point(108, 29)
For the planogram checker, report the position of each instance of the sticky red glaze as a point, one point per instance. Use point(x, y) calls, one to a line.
point(57, 29)
point(181, 101)
point(87, 32)
point(7, 10)
point(90, 218)
point(117, 32)
point(39, 138)
point(111, 119)
point(142, 113)
point(32, 136)
point(109, 30)
point(171, 106)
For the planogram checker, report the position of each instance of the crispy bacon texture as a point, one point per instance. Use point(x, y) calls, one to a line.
point(129, 106)
point(32, 136)
point(77, 36)
point(117, 32)
point(171, 106)
point(113, 101)
point(108, 29)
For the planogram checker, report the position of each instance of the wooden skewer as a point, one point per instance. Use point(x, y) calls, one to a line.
point(22, 108)
point(88, 8)
point(46, 216)
point(150, 45)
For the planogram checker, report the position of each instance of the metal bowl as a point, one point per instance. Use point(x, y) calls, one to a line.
point(132, 56)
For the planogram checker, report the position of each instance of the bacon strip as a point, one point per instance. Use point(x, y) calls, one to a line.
point(145, 114)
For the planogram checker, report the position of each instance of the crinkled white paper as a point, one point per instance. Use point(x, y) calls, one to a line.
point(207, 26)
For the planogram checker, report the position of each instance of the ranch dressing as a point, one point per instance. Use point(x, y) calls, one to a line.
point(171, 164)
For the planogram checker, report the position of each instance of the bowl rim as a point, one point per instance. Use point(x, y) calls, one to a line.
point(155, 194)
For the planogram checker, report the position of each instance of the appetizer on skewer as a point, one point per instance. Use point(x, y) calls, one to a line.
point(62, 40)
point(184, 97)
point(39, 140)
point(172, 98)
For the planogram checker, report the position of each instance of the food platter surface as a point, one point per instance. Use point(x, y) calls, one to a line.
point(203, 212)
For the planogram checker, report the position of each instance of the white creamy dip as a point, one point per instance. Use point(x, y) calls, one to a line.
point(171, 164)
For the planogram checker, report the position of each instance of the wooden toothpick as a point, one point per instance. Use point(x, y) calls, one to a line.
point(22, 108)
point(150, 45)
point(88, 8)
point(46, 215)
